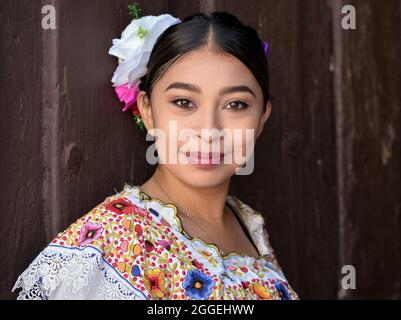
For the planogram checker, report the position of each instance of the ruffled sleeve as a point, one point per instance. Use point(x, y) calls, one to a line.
point(97, 257)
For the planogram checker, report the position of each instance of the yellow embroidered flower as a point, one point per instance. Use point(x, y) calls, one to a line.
point(261, 291)
point(154, 282)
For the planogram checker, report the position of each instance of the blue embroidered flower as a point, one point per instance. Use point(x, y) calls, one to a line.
point(282, 290)
point(136, 271)
point(197, 285)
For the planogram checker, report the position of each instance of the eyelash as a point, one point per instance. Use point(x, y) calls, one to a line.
point(245, 105)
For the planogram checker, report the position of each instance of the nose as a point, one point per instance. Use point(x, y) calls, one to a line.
point(209, 126)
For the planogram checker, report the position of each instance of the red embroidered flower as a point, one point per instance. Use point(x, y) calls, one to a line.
point(197, 264)
point(120, 206)
point(138, 230)
point(149, 246)
point(244, 269)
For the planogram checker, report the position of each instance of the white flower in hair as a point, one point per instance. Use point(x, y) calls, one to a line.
point(134, 48)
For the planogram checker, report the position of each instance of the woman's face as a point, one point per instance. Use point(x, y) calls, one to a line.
point(197, 93)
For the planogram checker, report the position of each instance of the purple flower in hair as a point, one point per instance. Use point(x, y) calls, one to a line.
point(266, 48)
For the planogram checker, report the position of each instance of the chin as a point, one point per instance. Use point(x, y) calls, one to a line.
point(203, 177)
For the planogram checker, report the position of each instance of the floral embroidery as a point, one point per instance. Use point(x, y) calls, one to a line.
point(197, 285)
point(140, 239)
point(136, 271)
point(165, 244)
point(120, 206)
point(284, 294)
point(149, 246)
point(197, 264)
point(261, 291)
point(138, 230)
point(140, 211)
point(154, 282)
point(90, 232)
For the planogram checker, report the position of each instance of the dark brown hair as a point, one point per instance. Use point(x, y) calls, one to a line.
point(221, 30)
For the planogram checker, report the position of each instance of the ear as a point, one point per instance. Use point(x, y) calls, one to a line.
point(263, 118)
point(144, 106)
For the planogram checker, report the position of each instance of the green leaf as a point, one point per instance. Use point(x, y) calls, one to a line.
point(134, 10)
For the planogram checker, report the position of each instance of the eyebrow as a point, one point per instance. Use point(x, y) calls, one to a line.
point(194, 88)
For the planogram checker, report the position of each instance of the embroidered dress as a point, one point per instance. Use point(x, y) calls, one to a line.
point(132, 246)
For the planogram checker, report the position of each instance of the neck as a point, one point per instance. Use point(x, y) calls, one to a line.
point(202, 203)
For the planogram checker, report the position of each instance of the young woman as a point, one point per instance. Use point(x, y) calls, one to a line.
point(179, 235)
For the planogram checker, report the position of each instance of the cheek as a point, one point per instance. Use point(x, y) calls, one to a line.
point(242, 134)
point(243, 128)
point(171, 138)
point(160, 115)
point(242, 119)
point(243, 143)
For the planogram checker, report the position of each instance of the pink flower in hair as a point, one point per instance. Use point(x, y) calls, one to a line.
point(128, 95)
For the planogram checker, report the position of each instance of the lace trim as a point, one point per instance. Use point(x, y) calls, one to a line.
point(75, 273)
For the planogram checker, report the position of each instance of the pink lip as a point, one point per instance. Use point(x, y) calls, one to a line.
point(203, 159)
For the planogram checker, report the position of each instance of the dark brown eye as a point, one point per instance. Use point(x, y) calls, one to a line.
point(184, 103)
point(237, 105)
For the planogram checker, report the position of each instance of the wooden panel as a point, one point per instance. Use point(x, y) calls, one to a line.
point(21, 228)
point(368, 138)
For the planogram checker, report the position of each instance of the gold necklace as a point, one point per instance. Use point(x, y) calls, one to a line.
point(192, 219)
